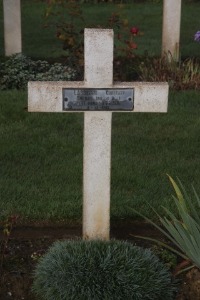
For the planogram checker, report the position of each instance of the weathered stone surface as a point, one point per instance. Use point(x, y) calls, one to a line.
point(98, 56)
point(96, 179)
point(47, 96)
point(171, 28)
point(12, 27)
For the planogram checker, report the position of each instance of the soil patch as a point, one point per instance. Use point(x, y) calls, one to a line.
point(28, 243)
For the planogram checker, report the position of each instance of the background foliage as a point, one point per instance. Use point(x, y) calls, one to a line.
point(16, 71)
point(41, 42)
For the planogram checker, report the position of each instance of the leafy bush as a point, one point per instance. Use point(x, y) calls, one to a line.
point(19, 69)
point(56, 72)
point(165, 255)
point(101, 270)
point(69, 21)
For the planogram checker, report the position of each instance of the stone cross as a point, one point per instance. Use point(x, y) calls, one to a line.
point(171, 29)
point(98, 97)
point(12, 27)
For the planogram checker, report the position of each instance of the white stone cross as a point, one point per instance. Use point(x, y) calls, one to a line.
point(12, 27)
point(48, 97)
point(171, 29)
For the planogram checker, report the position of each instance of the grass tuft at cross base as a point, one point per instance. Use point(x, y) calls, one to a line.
point(92, 270)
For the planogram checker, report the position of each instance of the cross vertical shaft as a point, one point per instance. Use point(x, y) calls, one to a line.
point(97, 137)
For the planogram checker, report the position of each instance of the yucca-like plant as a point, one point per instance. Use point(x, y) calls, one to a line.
point(101, 270)
point(184, 230)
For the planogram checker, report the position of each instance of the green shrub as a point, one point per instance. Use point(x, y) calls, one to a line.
point(56, 72)
point(19, 69)
point(93, 270)
point(69, 20)
point(182, 75)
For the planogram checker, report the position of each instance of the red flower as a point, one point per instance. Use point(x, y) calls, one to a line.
point(131, 44)
point(134, 30)
point(119, 36)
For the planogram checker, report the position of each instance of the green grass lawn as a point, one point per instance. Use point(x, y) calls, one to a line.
point(41, 154)
point(41, 158)
point(39, 41)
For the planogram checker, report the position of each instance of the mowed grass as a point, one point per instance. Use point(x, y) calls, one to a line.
point(41, 158)
point(41, 155)
point(40, 41)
